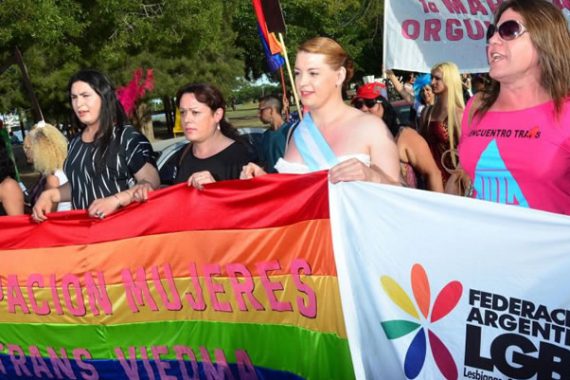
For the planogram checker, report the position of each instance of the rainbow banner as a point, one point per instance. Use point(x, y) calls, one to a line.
point(237, 281)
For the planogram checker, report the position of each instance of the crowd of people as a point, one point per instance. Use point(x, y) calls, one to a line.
point(511, 139)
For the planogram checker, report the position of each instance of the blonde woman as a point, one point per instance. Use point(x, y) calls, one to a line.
point(355, 146)
point(440, 124)
point(48, 150)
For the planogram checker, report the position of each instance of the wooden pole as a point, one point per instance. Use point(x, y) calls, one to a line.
point(291, 79)
point(38, 116)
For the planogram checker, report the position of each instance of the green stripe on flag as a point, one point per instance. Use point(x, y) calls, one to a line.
point(304, 352)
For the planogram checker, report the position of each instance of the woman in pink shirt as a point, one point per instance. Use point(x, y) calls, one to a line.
point(515, 140)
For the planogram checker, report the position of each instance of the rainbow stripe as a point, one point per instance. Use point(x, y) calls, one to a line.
point(236, 281)
point(271, 47)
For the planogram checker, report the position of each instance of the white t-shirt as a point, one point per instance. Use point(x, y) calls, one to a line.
point(62, 178)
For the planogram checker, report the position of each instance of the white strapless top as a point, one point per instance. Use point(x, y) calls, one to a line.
point(284, 166)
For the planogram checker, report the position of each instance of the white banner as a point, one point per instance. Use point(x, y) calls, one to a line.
point(421, 33)
point(436, 286)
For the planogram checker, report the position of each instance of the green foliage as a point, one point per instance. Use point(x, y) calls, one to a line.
point(246, 92)
point(355, 24)
point(182, 40)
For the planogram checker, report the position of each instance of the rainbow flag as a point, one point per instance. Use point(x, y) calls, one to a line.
point(237, 281)
point(271, 47)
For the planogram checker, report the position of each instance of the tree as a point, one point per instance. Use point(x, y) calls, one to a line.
point(355, 24)
point(181, 40)
point(31, 25)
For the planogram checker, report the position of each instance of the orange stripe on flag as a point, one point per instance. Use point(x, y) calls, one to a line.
point(309, 242)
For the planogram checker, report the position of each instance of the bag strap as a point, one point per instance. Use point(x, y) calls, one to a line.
point(290, 134)
point(444, 155)
point(184, 153)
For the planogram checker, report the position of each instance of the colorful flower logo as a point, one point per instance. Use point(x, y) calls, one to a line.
point(445, 302)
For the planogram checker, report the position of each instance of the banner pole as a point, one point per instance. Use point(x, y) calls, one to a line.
point(285, 99)
point(291, 79)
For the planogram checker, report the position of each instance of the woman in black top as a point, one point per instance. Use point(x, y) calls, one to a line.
point(216, 151)
point(109, 163)
point(11, 195)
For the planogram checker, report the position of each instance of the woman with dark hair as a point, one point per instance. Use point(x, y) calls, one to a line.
point(369, 99)
point(515, 143)
point(333, 135)
point(11, 195)
point(109, 163)
point(216, 151)
point(416, 162)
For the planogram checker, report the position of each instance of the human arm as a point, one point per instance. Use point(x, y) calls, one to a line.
point(12, 197)
point(251, 170)
point(384, 161)
point(52, 182)
point(355, 170)
point(399, 86)
point(48, 198)
point(199, 179)
point(416, 152)
point(141, 163)
point(147, 180)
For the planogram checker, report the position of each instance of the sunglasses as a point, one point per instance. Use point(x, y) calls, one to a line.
point(369, 103)
point(508, 30)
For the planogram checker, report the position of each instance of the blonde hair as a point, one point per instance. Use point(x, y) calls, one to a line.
point(336, 56)
point(48, 148)
point(454, 96)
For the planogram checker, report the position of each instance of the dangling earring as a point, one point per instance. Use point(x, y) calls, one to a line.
point(218, 126)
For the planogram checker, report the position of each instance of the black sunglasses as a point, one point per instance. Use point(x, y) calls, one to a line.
point(508, 30)
point(369, 103)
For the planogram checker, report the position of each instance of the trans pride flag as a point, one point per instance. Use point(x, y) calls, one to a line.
point(237, 281)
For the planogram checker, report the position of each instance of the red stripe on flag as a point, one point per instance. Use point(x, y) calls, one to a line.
point(270, 38)
point(268, 201)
